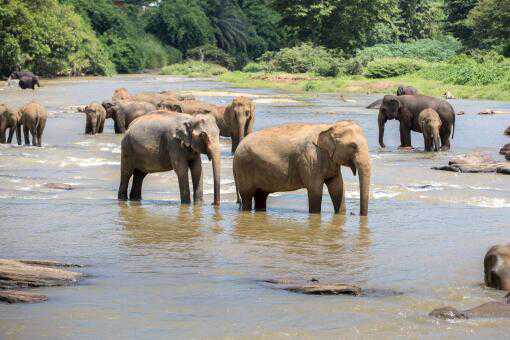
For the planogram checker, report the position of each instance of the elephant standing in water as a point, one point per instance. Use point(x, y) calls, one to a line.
point(295, 156)
point(406, 110)
point(430, 124)
point(124, 112)
point(33, 119)
point(27, 80)
point(9, 119)
point(170, 141)
point(95, 117)
point(406, 90)
point(235, 120)
point(497, 267)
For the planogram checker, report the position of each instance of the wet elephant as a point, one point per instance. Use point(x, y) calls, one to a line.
point(121, 94)
point(124, 112)
point(33, 119)
point(294, 156)
point(95, 116)
point(406, 90)
point(430, 124)
point(497, 267)
point(9, 119)
point(172, 141)
point(494, 309)
point(406, 110)
point(27, 80)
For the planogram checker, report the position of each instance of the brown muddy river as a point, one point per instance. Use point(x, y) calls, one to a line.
point(157, 269)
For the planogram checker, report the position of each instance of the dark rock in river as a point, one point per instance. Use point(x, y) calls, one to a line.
point(487, 310)
point(507, 131)
point(474, 163)
point(15, 296)
point(325, 289)
point(59, 186)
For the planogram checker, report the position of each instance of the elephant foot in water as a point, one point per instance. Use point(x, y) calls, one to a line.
point(487, 310)
point(405, 148)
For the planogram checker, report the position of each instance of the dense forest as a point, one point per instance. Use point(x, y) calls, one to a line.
point(76, 37)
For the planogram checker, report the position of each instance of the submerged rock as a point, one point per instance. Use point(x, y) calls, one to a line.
point(16, 296)
point(474, 163)
point(487, 310)
point(494, 112)
point(59, 186)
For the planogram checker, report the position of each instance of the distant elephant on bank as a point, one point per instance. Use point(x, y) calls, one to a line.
point(406, 90)
point(33, 119)
point(235, 120)
point(170, 141)
point(124, 112)
point(95, 117)
point(27, 80)
point(430, 124)
point(294, 156)
point(497, 267)
point(406, 110)
point(9, 119)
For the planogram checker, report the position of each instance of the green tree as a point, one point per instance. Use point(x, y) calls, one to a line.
point(490, 21)
point(456, 12)
point(420, 19)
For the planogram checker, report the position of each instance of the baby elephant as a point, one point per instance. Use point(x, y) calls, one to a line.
point(497, 267)
point(33, 118)
point(95, 117)
point(9, 119)
point(430, 124)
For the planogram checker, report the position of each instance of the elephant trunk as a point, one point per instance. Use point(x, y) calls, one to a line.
point(362, 164)
point(215, 155)
point(381, 120)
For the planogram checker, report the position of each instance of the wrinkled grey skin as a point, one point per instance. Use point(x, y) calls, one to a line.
point(235, 120)
point(487, 310)
point(124, 112)
point(497, 267)
point(9, 119)
point(430, 124)
point(406, 110)
point(95, 116)
point(294, 156)
point(170, 141)
point(33, 119)
point(406, 90)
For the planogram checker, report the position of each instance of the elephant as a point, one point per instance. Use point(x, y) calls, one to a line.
point(9, 119)
point(406, 110)
point(95, 117)
point(406, 90)
point(375, 105)
point(33, 119)
point(121, 94)
point(29, 82)
point(294, 156)
point(497, 267)
point(494, 309)
point(124, 112)
point(430, 124)
point(235, 120)
point(154, 98)
point(172, 141)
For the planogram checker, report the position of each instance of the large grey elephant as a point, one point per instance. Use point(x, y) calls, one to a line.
point(406, 110)
point(124, 112)
point(406, 90)
point(235, 120)
point(497, 267)
point(33, 119)
point(95, 116)
point(430, 124)
point(170, 141)
point(295, 156)
point(9, 119)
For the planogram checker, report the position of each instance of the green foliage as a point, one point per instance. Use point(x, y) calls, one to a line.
point(211, 53)
point(477, 70)
point(304, 59)
point(456, 12)
point(421, 19)
point(253, 67)
point(393, 67)
point(194, 68)
point(490, 21)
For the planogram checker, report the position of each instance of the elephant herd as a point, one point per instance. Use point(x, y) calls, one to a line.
point(31, 116)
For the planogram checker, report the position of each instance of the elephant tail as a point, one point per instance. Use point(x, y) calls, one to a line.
point(453, 132)
point(238, 197)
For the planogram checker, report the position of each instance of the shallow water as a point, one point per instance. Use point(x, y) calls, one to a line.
point(158, 269)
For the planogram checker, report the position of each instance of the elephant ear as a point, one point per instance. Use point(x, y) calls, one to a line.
point(394, 104)
point(184, 134)
point(326, 142)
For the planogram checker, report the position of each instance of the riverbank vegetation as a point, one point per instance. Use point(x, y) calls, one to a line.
point(454, 44)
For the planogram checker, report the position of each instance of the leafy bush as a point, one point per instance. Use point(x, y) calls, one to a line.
point(426, 49)
point(393, 67)
point(303, 59)
point(211, 53)
point(475, 70)
point(193, 68)
point(254, 67)
point(155, 55)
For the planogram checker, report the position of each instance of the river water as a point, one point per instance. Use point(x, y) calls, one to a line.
point(157, 269)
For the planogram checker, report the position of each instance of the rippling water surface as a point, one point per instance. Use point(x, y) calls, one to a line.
point(157, 269)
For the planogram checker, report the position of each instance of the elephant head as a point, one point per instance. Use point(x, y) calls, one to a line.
point(497, 267)
point(121, 94)
point(430, 126)
point(345, 144)
point(240, 115)
point(202, 136)
point(400, 91)
point(9, 119)
point(389, 109)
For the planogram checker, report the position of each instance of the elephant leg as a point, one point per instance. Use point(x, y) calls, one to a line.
point(315, 198)
point(125, 175)
point(18, 134)
point(246, 200)
point(101, 127)
point(33, 132)
point(26, 132)
point(235, 143)
point(446, 130)
point(88, 127)
point(197, 179)
point(182, 175)
point(11, 134)
point(405, 136)
point(136, 187)
point(261, 200)
point(39, 132)
point(336, 192)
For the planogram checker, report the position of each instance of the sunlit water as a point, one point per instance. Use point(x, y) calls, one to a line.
point(157, 269)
